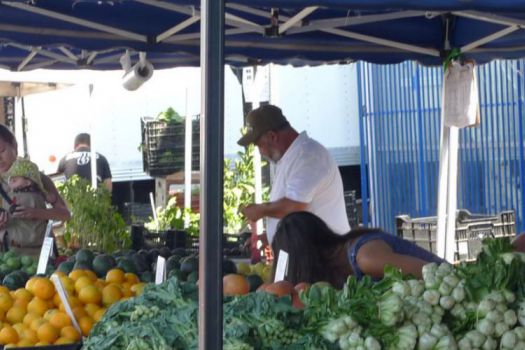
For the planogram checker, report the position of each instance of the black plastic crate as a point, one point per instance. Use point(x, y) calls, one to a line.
point(141, 238)
point(165, 162)
point(136, 212)
point(163, 146)
point(233, 244)
point(471, 229)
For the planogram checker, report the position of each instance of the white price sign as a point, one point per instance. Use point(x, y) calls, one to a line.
point(63, 297)
point(45, 253)
point(160, 271)
point(282, 266)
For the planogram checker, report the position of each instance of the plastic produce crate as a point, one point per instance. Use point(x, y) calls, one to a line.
point(471, 229)
point(163, 146)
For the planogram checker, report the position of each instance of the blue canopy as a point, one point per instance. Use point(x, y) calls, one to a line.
point(93, 34)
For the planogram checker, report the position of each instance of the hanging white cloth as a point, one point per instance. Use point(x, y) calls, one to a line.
point(460, 108)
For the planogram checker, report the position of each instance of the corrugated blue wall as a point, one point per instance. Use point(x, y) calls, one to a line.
point(400, 130)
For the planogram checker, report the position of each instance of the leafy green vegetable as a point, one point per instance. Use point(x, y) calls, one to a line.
point(443, 311)
point(168, 329)
point(497, 268)
point(165, 317)
point(170, 116)
point(94, 222)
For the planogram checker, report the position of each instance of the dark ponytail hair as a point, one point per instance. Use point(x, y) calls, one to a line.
point(311, 245)
point(7, 136)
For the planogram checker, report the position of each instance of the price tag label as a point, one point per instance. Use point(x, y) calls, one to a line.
point(45, 253)
point(282, 266)
point(63, 297)
point(160, 271)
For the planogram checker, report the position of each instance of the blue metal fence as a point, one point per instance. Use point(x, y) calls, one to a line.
point(400, 130)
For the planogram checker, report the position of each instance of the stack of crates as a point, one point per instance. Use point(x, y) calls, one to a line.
point(351, 208)
point(471, 229)
point(163, 146)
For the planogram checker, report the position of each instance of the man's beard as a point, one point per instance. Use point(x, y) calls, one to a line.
point(274, 156)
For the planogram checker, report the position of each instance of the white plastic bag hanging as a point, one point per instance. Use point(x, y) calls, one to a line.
point(461, 95)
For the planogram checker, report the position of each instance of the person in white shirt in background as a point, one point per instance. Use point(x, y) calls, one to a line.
point(306, 177)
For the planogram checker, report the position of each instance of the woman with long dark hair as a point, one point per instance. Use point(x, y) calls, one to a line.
point(316, 253)
point(14, 232)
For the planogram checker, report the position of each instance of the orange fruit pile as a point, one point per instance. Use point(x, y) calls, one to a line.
point(35, 315)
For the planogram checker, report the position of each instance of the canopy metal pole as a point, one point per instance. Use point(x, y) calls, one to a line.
point(452, 194)
point(188, 149)
point(362, 147)
point(24, 127)
point(256, 94)
point(92, 146)
point(212, 164)
point(442, 188)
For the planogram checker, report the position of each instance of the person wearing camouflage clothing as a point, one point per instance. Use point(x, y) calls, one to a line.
point(26, 190)
point(55, 208)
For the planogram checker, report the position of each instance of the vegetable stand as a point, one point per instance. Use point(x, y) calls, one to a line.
point(474, 305)
point(337, 36)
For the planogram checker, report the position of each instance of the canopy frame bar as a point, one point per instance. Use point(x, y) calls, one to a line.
point(352, 35)
point(491, 18)
point(28, 59)
point(296, 18)
point(333, 23)
point(42, 64)
point(287, 25)
point(195, 36)
point(351, 21)
point(43, 52)
point(77, 21)
point(108, 59)
point(61, 32)
point(489, 38)
point(383, 42)
point(177, 28)
point(68, 53)
point(91, 57)
point(230, 19)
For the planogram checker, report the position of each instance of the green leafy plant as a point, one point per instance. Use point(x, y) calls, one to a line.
point(95, 222)
point(170, 116)
point(239, 189)
point(173, 217)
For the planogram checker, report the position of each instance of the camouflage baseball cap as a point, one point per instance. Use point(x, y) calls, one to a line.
point(261, 120)
point(26, 168)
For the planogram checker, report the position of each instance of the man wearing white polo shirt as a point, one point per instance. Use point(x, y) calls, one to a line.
point(306, 176)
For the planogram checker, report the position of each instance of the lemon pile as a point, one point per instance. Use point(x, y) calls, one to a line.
point(36, 316)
